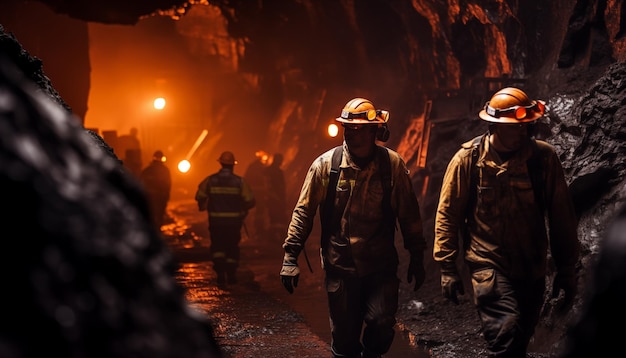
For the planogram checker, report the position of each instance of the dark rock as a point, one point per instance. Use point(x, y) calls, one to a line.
point(84, 272)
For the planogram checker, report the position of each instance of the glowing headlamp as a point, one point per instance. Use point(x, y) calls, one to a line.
point(517, 112)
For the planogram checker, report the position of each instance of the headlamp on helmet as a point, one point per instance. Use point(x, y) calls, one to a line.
point(517, 112)
point(512, 105)
point(362, 111)
point(370, 115)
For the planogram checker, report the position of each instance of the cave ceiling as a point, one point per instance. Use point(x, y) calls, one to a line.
point(115, 11)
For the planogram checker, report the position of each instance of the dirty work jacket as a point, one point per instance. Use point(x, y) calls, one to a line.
point(226, 196)
point(506, 227)
point(364, 242)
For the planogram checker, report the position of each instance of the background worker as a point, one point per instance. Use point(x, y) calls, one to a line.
point(256, 178)
point(499, 189)
point(373, 191)
point(276, 198)
point(157, 182)
point(227, 198)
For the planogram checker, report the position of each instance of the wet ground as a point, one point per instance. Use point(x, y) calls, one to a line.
point(256, 317)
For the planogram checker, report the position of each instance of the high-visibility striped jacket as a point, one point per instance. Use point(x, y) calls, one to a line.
point(226, 197)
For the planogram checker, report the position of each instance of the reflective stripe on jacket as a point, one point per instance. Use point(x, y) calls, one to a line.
point(226, 196)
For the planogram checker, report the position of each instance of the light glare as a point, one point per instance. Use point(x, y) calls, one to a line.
point(184, 166)
point(333, 130)
point(159, 103)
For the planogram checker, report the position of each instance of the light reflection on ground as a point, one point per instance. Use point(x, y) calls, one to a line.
point(257, 317)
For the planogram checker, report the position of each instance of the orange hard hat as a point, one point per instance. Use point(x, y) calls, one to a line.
point(512, 105)
point(362, 111)
point(227, 158)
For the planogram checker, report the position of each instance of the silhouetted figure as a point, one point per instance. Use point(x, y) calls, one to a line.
point(157, 182)
point(227, 198)
point(128, 145)
point(84, 272)
point(256, 178)
point(276, 198)
point(132, 162)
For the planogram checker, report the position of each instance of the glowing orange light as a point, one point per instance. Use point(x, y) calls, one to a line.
point(333, 130)
point(184, 166)
point(159, 103)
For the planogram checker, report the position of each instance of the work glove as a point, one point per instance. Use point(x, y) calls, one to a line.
point(451, 284)
point(289, 275)
point(416, 270)
point(568, 282)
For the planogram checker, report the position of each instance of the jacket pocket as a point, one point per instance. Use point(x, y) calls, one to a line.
point(484, 284)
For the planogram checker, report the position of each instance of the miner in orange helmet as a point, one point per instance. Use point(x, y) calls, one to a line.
point(506, 192)
point(227, 198)
point(362, 190)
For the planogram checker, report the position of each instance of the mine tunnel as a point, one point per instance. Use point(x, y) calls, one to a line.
point(196, 78)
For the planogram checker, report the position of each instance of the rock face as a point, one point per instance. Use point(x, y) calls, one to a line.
point(84, 270)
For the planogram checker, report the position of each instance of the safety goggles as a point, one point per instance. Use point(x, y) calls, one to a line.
point(517, 112)
point(370, 115)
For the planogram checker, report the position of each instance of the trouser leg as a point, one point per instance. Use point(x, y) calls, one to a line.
point(232, 253)
point(509, 311)
point(380, 313)
point(362, 305)
point(346, 316)
point(218, 252)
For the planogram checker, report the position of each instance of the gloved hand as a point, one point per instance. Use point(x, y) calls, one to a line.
point(568, 282)
point(289, 275)
point(416, 270)
point(451, 284)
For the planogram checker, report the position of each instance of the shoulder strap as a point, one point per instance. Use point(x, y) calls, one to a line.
point(535, 171)
point(473, 189)
point(385, 172)
point(327, 210)
point(475, 148)
point(336, 162)
point(332, 181)
point(475, 143)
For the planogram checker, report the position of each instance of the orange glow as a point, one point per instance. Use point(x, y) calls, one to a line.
point(159, 103)
point(333, 130)
point(197, 143)
point(184, 166)
point(263, 156)
point(131, 66)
